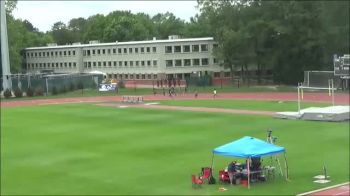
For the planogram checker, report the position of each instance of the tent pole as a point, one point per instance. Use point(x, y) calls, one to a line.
point(286, 164)
point(212, 162)
point(248, 172)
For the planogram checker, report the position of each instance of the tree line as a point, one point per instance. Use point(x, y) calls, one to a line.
point(286, 37)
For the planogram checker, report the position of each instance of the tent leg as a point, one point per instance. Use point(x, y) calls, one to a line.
point(212, 162)
point(248, 172)
point(286, 164)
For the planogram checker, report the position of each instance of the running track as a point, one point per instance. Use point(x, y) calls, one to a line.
point(342, 189)
point(341, 98)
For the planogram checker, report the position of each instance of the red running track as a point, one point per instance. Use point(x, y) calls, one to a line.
point(341, 98)
point(342, 189)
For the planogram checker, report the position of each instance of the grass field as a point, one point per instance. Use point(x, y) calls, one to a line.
point(87, 149)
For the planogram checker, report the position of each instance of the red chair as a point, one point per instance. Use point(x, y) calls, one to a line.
point(223, 176)
point(206, 173)
point(196, 182)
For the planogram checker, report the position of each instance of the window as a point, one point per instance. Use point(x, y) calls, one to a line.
point(187, 62)
point(131, 63)
point(120, 63)
point(93, 52)
point(104, 63)
point(216, 74)
point(57, 65)
point(56, 53)
point(47, 53)
point(143, 76)
point(155, 76)
point(215, 61)
point(186, 48)
point(125, 51)
point(94, 64)
point(99, 64)
point(137, 76)
point(126, 76)
point(155, 63)
point(137, 63)
point(205, 61)
point(103, 51)
point(154, 49)
point(131, 76)
point(136, 50)
point(119, 50)
point(89, 64)
point(177, 48)
point(169, 63)
point(149, 76)
point(125, 63)
point(148, 63)
point(204, 47)
point(142, 50)
point(115, 63)
point(168, 49)
point(98, 51)
point(87, 52)
point(60, 53)
point(148, 49)
point(69, 52)
point(44, 54)
point(130, 50)
point(178, 62)
point(109, 64)
point(215, 46)
point(51, 53)
point(195, 48)
point(142, 63)
point(114, 50)
point(64, 53)
point(108, 51)
point(227, 74)
point(195, 62)
point(73, 52)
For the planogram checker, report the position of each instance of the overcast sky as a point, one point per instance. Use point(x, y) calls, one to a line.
point(43, 14)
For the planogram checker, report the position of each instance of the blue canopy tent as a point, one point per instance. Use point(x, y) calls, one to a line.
point(249, 147)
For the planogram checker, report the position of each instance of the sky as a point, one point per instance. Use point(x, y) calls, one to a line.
point(43, 14)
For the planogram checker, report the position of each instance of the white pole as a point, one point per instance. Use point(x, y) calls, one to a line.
point(6, 71)
point(47, 88)
point(298, 98)
point(332, 92)
point(329, 87)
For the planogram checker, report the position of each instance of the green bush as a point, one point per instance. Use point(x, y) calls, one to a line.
point(71, 86)
point(80, 85)
point(30, 92)
point(63, 89)
point(18, 93)
point(121, 84)
point(7, 93)
point(54, 90)
point(39, 91)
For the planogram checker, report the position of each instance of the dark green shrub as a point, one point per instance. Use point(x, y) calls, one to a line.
point(18, 93)
point(71, 86)
point(80, 85)
point(121, 84)
point(54, 90)
point(30, 92)
point(63, 89)
point(39, 91)
point(7, 93)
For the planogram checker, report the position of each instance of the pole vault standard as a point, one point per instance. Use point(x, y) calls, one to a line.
point(5, 62)
point(301, 91)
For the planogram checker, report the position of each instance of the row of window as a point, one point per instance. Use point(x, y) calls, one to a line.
point(187, 62)
point(132, 76)
point(148, 63)
point(52, 65)
point(119, 51)
point(187, 48)
point(51, 53)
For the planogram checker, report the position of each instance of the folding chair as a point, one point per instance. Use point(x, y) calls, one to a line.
point(206, 173)
point(223, 176)
point(196, 182)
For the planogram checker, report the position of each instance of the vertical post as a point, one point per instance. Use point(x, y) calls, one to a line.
point(308, 78)
point(298, 98)
point(329, 87)
point(248, 171)
point(212, 163)
point(5, 59)
point(47, 87)
point(286, 165)
point(332, 92)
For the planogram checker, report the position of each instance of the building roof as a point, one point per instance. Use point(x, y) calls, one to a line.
point(122, 43)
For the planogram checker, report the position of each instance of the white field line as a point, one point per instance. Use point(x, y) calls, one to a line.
point(326, 188)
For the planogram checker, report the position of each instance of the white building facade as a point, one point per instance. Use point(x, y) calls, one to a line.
point(134, 60)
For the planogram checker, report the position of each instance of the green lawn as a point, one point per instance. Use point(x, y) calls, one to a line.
point(278, 106)
point(86, 149)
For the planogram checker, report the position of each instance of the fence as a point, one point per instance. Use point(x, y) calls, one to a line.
point(50, 84)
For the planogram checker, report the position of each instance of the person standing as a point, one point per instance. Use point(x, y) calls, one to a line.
point(231, 171)
point(214, 93)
